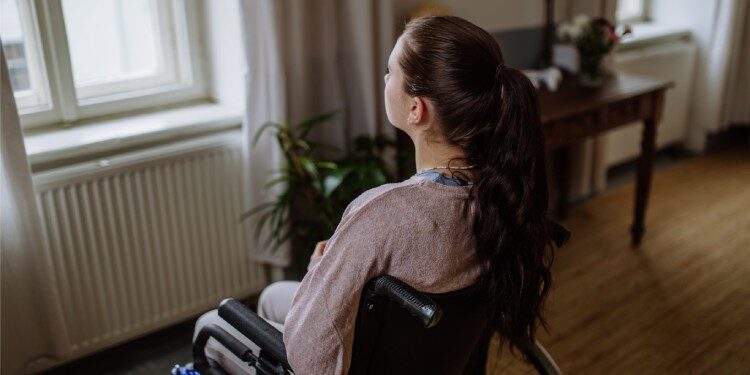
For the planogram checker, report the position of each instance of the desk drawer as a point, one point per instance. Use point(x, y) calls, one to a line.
point(570, 130)
point(627, 111)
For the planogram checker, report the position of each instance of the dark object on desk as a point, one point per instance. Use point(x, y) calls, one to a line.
point(574, 113)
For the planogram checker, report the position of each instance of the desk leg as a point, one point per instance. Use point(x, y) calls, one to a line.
point(643, 183)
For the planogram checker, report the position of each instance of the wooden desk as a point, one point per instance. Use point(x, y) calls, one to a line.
point(574, 113)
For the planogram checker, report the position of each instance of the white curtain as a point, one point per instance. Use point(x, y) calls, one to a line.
point(32, 328)
point(737, 110)
point(305, 58)
point(720, 95)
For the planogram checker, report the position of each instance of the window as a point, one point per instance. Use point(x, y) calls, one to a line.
point(631, 11)
point(75, 59)
point(21, 44)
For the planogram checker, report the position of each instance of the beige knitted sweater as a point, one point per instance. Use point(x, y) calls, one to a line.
point(416, 230)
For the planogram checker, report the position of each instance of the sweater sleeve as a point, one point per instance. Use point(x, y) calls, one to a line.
point(319, 329)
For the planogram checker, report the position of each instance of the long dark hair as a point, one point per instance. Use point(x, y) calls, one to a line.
point(491, 111)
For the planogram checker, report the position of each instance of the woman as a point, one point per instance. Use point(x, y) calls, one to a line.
point(474, 211)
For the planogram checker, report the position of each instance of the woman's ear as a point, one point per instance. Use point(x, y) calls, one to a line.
point(419, 111)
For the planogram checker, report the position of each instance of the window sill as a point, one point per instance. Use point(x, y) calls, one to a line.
point(51, 148)
point(648, 34)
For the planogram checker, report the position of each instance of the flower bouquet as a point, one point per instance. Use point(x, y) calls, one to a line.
point(594, 38)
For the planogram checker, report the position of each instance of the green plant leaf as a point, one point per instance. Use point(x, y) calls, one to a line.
point(256, 209)
point(277, 180)
point(379, 177)
point(309, 166)
point(334, 180)
point(301, 143)
point(271, 222)
point(262, 129)
point(261, 224)
point(305, 126)
point(327, 165)
point(324, 146)
point(280, 241)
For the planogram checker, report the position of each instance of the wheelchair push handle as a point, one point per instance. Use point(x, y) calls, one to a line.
point(416, 303)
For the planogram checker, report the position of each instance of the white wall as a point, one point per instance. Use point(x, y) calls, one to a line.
point(225, 52)
point(498, 15)
point(673, 61)
point(695, 15)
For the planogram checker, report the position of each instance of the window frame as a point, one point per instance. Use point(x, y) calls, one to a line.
point(64, 107)
point(644, 15)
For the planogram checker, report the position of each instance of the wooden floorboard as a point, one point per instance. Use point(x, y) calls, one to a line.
point(678, 304)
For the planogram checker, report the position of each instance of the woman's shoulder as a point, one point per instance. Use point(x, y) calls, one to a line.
point(371, 213)
point(399, 198)
point(379, 197)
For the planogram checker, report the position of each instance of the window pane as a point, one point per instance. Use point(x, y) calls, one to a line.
point(24, 64)
point(113, 40)
point(12, 35)
point(630, 9)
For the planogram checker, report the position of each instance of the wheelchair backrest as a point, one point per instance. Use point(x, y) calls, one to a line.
point(388, 340)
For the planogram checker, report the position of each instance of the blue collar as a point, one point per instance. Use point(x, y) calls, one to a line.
point(443, 179)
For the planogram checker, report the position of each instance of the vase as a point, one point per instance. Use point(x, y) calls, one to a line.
point(592, 71)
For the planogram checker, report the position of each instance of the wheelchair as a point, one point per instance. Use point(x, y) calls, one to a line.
point(399, 330)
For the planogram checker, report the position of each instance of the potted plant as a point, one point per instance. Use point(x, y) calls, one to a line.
point(317, 189)
point(593, 38)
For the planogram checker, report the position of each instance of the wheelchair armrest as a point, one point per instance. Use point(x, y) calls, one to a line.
point(235, 346)
point(415, 302)
point(267, 337)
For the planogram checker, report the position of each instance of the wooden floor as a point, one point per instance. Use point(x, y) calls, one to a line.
point(678, 304)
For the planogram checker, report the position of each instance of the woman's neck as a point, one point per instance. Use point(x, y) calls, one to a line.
point(436, 154)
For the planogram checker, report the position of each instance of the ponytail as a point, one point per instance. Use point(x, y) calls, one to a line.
point(510, 225)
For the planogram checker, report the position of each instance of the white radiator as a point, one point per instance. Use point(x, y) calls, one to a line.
point(144, 240)
point(673, 61)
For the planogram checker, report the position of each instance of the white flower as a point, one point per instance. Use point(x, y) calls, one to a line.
point(581, 21)
point(572, 31)
point(563, 31)
point(576, 31)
